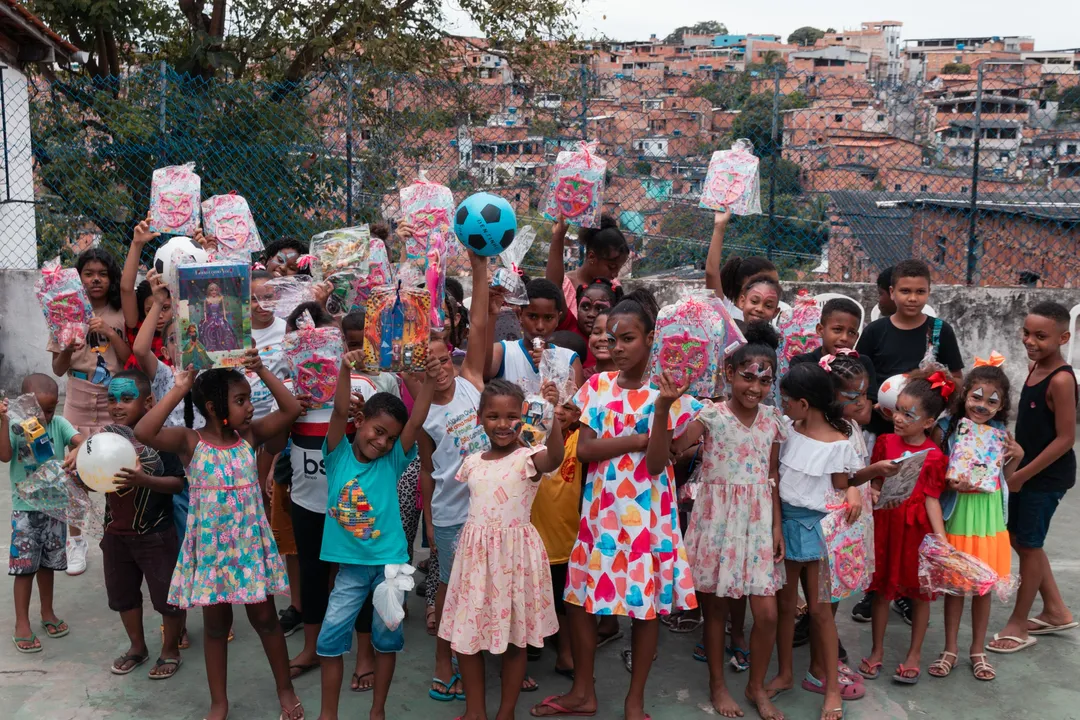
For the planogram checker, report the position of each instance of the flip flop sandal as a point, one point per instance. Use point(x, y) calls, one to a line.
point(560, 711)
point(873, 671)
point(699, 653)
point(736, 664)
point(126, 658)
point(291, 714)
point(628, 659)
point(358, 678)
point(445, 695)
point(30, 650)
point(52, 631)
point(683, 624)
point(943, 666)
point(603, 640)
point(1045, 628)
point(525, 685)
point(854, 691)
point(174, 662)
point(1021, 644)
point(903, 679)
point(982, 667)
point(832, 711)
point(429, 619)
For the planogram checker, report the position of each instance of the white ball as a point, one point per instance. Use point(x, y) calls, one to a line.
point(177, 251)
point(889, 393)
point(101, 457)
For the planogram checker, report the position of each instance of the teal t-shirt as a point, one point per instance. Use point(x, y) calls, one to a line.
point(60, 432)
point(363, 524)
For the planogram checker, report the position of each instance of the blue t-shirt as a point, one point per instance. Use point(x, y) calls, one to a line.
point(363, 524)
point(60, 433)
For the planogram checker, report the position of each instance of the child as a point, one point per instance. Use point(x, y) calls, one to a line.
point(89, 365)
point(285, 257)
point(140, 539)
point(556, 514)
point(136, 301)
point(733, 541)
point(642, 571)
point(1046, 430)
point(899, 343)
point(599, 348)
point(498, 595)
point(519, 362)
point(594, 299)
point(606, 251)
point(760, 298)
point(899, 530)
point(728, 281)
point(838, 330)
point(226, 507)
point(816, 459)
point(975, 521)
point(885, 303)
point(364, 531)
point(37, 540)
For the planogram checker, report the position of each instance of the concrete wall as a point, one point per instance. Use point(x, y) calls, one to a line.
point(23, 335)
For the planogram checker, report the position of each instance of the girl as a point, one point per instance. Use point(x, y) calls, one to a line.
point(816, 459)
point(760, 298)
point(975, 521)
point(137, 300)
point(594, 300)
point(629, 557)
point(228, 554)
point(606, 251)
point(499, 589)
point(733, 541)
point(599, 348)
point(899, 531)
point(89, 366)
point(728, 281)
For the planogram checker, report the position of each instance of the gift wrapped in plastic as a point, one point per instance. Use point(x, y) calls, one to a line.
point(314, 357)
point(575, 190)
point(536, 418)
point(174, 200)
point(213, 314)
point(27, 422)
point(944, 569)
point(350, 288)
point(335, 251)
point(798, 330)
point(849, 556)
point(508, 275)
point(288, 293)
point(691, 340)
point(228, 218)
point(64, 302)
point(397, 325)
point(560, 373)
point(388, 598)
point(977, 456)
point(51, 490)
point(732, 182)
point(428, 207)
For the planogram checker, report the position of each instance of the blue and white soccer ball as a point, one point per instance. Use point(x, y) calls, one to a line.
point(485, 224)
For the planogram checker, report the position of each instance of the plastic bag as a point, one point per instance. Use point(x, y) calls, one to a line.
point(691, 340)
point(174, 200)
point(944, 569)
point(732, 182)
point(388, 597)
point(52, 491)
point(977, 456)
point(575, 190)
point(213, 311)
point(509, 277)
point(798, 330)
point(396, 330)
point(26, 421)
point(435, 275)
point(314, 357)
point(536, 417)
point(557, 372)
point(64, 302)
point(428, 207)
point(849, 550)
point(290, 292)
point(338, 250)
point(229, 219)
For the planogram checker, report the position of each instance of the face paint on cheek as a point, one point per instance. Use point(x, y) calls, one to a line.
point(120, 388)
point(981, 410)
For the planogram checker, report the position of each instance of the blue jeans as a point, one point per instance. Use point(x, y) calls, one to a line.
point(446, 540)
point(353, 585)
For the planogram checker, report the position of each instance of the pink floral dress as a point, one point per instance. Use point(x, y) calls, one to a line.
point(229, 555)
point(730, 536)
point(629, 558)
point(500, 588)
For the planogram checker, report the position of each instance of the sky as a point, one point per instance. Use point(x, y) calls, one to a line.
point(1055, 24)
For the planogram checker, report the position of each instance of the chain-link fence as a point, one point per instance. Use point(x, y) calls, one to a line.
point(979, 174)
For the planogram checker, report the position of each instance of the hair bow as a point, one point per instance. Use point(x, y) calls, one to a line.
point(258, 266)
point(847, 352)
point(996, 359)
point(516, 270)
point(825, 363)
point(304, 261)
point(942, 383)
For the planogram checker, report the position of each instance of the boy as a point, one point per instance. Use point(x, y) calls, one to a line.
point(37, 540)
point(885, 303)
point(1046, 430)
point(838, 329)
point(140, 538)
point(519, 362)
point(363, 531)
point(556, 515)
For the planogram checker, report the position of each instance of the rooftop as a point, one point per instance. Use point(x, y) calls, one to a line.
point(27, 29)
point(835, 52)
point(1037, 205)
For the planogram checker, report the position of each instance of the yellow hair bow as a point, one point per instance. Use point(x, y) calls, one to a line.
point(996, 359)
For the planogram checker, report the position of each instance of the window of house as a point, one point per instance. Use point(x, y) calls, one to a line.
point(838, 118)
point(1070, 149)
point(896, 187)
point(1029, 279)
point(1004, 155)
point(963, 188)
point(941, 247)
point(880, 118)
point(924, 188)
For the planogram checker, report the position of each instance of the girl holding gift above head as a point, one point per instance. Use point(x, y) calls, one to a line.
point(606, 251)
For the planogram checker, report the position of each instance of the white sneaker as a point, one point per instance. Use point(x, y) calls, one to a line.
point(76, 555)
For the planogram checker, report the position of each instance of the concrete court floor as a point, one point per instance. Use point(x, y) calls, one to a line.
point(70, 679)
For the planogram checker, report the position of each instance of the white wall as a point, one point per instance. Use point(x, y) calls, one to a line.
point(18, 234)
point(23, 335)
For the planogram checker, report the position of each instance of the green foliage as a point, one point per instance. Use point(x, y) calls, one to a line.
point(806, 35)
point(705, 27)
point(956, 69)
point(1070, 100)
point(755, 120)
point(642, 167)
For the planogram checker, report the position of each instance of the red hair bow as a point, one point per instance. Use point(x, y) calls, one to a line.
point(943, 383)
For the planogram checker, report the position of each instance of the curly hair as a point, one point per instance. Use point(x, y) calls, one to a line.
point(957, 407)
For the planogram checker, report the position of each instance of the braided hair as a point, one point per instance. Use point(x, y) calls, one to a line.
point(957, 407)
point(211, 388)
point(807, 381)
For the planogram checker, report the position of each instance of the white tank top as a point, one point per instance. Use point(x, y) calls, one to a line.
point(456, 433)
point(517, 365)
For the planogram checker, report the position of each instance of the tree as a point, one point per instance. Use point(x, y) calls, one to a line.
point(755, 120)
point(771, 58)
point(1070, 99)
point(806, 35)
point(956, 69)
point(705, 27)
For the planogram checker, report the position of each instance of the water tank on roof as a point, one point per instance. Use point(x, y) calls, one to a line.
point(959, 46)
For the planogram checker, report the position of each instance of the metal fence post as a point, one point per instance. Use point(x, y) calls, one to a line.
point(770, 238)
point(973, 212)
point(584, 102)
point(348, 147)
point(3, 125)
point(163, 74)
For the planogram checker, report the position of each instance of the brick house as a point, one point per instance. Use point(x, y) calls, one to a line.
point(832, 62)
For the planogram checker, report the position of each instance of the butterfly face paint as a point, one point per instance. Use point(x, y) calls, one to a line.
point(123, 390)
point(852, 397)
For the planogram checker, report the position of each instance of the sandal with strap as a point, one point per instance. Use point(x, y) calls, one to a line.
point(872, 671)
point(173, 663)
point(291, 713)
point(444, 695)
point(983, 667)
point(737, 663)
point(901, 675)
point(941, 667)
point(52, 629)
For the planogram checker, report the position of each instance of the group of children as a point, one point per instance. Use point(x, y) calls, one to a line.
point(243, 492)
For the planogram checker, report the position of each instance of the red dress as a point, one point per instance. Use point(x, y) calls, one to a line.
point(899, 531)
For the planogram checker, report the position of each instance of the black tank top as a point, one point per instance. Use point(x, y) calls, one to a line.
point(1035, 431)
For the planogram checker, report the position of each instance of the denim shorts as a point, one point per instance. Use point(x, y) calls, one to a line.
point(1029, 516)
point(803, 541)
point(446, 540)
point(352, 586)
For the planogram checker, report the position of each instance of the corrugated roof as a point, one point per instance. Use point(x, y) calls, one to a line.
point(884, 233)
point(37, 24)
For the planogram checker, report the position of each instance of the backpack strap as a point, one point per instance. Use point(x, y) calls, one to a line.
point(933, 335)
